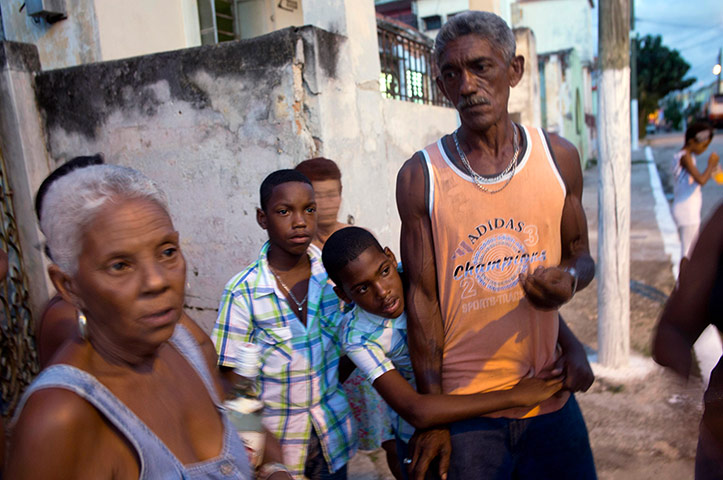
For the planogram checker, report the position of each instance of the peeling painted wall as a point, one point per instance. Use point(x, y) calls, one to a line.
point(558, 25)
point(207, 123)
point(139, 27)
point(210, 123)
point(524, 102)
point(96, 30)
point(61, 44)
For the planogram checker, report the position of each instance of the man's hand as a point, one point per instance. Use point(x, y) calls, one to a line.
point(424, 447)
point(576, 369)
point(548, 288)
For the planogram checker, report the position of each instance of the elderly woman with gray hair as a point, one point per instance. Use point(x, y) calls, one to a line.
point(138, 395)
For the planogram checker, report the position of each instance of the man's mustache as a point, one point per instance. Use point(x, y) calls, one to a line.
point(471, 102)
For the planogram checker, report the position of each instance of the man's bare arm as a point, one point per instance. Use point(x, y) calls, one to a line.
point(549, 288)
point(686, 312)
point(578, 373)
point(424, 318)
point(573, 228)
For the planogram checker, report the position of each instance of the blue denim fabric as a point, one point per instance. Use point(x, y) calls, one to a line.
point(708, 457)
point(554, 446)
point(402, 453)
point(316, 467)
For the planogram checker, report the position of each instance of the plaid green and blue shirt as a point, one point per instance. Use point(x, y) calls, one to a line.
point(377, 345)
point(299, 364)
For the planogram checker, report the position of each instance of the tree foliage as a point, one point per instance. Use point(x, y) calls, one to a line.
point(673, 112)
point(660, 71)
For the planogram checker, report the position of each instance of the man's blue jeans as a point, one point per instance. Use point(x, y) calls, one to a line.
point(316, 467)
point(553, 446)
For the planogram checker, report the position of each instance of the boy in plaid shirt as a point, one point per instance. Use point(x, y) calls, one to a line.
point(374, 336)
point(283, 302)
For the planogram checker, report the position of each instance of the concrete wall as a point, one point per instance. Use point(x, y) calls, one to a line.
point(68, 42)
point(564, 26)
point(567, 89)
point(558, 25)
point(26, 158)
point(138, 27)
point(369, 136)
point(575, 129)
point(426, 8)
point(98, 30)
point(553, 94)
point(258, 17)
point(524, 103)
point(210, 123)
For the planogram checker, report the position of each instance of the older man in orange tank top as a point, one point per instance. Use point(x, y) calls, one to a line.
point(494, 241)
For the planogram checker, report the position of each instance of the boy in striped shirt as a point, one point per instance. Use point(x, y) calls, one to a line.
point(283, 302)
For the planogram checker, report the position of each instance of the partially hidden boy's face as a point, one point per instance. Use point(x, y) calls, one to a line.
point(372, 282)
point(290, 217)
point(328, 198)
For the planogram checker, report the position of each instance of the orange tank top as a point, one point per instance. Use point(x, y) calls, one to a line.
point(482, 242)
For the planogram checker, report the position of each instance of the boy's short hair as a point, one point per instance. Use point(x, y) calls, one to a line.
point(277, 178)
point(72, 164)
point(343, 247)
point(696, 128)
point(319, 169)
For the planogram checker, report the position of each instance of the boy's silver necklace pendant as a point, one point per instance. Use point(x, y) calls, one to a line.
point(299, 304)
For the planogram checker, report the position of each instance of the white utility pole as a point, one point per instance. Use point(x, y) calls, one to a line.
point(614, 186)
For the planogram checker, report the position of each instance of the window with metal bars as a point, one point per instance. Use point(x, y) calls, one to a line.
point(217, 21)
point(407, 67)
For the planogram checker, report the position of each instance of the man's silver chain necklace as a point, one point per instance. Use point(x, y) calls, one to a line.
point(299, 304)
point(481, 181)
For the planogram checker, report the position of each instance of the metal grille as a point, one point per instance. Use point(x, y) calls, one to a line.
point(18, 357)
point(216, 19)
point(408, 71)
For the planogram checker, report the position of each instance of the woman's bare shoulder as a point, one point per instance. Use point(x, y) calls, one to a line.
point(57, 409)
point(49, 418)
point(60, 435)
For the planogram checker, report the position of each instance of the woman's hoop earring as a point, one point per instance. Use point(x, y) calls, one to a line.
point(82, 325)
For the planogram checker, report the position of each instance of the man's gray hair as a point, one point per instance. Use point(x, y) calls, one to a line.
point(73, 200)
point(485, 24)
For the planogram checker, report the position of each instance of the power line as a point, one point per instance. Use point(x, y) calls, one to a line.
point(675, 24)
point(707, 40)
point(687, 38)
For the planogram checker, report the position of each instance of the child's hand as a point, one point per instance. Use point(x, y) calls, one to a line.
point(713, 159)
point(532, 390)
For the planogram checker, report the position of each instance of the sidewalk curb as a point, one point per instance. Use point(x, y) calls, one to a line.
point(708, 348)
point(666, 224)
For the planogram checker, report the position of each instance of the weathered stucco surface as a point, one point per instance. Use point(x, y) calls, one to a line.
point(524, 102)
point(207, 123)
point(96, 30)
point(137, 27)
point(25, 157)
point(210, 123)
point(558, 25)
point(60, 44)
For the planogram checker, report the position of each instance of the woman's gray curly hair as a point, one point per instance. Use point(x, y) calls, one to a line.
point(73, 200)
point(485, 24)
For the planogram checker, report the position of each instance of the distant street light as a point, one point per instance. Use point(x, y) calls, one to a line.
point(716, 69)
